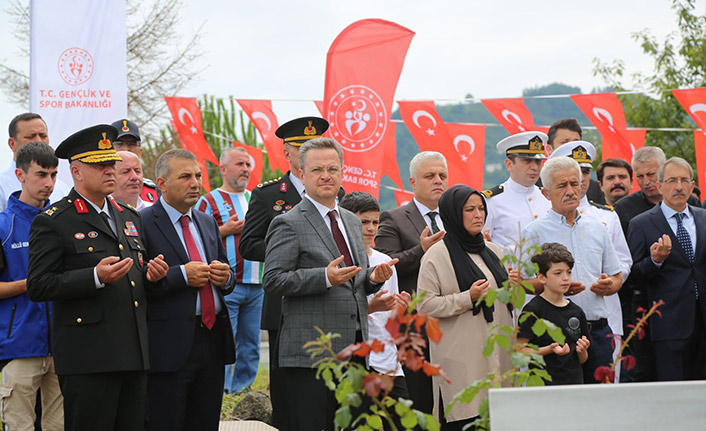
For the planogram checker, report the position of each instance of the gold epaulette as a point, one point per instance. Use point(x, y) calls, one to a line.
point(269, 182)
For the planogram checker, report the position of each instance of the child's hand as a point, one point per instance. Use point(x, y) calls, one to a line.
point(582, 344)
point(561, 350)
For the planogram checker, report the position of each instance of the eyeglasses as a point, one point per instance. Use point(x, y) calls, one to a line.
point(673, 181)
point(128, 143)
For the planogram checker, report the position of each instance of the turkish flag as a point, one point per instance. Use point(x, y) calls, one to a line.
point(256, 163)
point(694, 102)
point(403, 197)
point(469, 143)
point(513, 115)
point(363, 67)
point(700, 144)
point(187, 123)
point(431, 134)
point(265, 121)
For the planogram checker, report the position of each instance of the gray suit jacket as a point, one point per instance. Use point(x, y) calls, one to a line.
point(398, 237)
point(299, 247)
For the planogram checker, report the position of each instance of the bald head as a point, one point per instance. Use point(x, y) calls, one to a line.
point(128, 175)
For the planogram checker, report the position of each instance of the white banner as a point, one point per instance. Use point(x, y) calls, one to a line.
point(78, 71)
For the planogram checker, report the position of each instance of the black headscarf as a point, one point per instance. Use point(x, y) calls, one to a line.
point(459, 243)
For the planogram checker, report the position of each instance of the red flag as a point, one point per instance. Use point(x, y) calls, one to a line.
point(363, 67)
point(469, 142)
point(694, 102)
point(256, 162)
point(189, 127)
point(403, 197)
point(265, 121)
point(512, 114)
point(700, 144)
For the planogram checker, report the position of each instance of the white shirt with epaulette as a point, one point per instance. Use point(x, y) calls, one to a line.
point(511, 207)
point(610, 219)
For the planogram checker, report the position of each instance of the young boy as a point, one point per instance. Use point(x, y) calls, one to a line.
point(366, 207)
point(563, 363)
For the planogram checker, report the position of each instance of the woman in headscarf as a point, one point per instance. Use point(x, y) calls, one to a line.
point(454, 274)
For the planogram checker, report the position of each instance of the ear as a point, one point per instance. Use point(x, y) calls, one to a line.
point(12, 144)
point(222, 169)
point(541, 278)
point(162, 184)
point(659, 186)
point(545, 192)
point(20, 174)
point(301, 174)
point(508, 164)
point(76, 172)
point(412, 183)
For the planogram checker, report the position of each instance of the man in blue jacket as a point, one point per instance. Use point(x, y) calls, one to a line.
point(25, 349)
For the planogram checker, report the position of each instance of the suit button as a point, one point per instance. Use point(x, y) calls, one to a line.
point(121, 247)
point(79, 320)
point(132, 283)
point(90, 249)
point(352, 316)
point(137, 304)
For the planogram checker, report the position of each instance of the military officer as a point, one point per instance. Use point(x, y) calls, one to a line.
point(86, 255)
point(129, 140)
point(268, 200)
point(515, 203)
point(584, 153)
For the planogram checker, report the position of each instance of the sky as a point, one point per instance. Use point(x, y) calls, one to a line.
point(277, 49)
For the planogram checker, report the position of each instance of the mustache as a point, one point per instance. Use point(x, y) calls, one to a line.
point(618, 187)
point(569, 197)
point(679, 193)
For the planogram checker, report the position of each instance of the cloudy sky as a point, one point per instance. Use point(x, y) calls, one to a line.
point(277, 49)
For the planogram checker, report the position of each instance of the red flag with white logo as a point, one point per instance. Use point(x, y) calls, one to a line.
point(469, 143)
point(403, 197)
point(264, 119)
point(512, 114)
point(256, 164)
point(187, 122)
point(363, 67)
point(694, 102)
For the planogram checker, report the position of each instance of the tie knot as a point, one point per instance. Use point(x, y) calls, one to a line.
point(679, 217)
point(184, 220)
point(432, 214)
point(332, 214)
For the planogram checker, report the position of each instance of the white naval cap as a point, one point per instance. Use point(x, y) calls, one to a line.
point(582, 151)
point(529, 145)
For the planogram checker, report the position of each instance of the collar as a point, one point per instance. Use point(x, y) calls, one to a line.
point(99, 210)
point(669, 213)
point(560, 218)
point(22, 209)
point(422, 208)
point(173, 213)
point(323, 209)
point(516, 187)
point(297, 183)
point(583, 204)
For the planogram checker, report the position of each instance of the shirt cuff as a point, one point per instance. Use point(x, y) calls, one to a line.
point(183, 272)
point(98, 283)
point(658, 265)
point(328, 283)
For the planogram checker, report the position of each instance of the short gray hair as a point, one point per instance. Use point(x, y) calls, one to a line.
point(675, 161)
point(425, 155)
point(557, 164)
point(162, 167)
point(319, 143)
point(646, 154)
point(225, 154)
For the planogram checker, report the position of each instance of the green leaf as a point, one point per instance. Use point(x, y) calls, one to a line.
point(354, 399)
point(343, 417)
point(375, 422)
point(364, 427)
point(521, 296)
point(555, 332)
point(421, 419)
point(489, 346)
point(328, 379)
point(490, 295)
point(502, 340)
point(519, 360)
point(507, 329)
point(401, 409)
point(535, 380)
point(539, 328)
point(523, 316)
point(409, 420)
point(432, 423)
point(504, 296)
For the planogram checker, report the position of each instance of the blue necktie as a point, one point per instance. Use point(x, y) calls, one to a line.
point(685, 241)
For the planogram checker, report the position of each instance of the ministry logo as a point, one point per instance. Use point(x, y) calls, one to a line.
point(358, 118)
point(75, 66)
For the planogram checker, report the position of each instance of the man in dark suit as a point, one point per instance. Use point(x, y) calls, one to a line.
point(668, 245)
point(406, 233)
point(316, 259)
point(189, 331)
point(268, 200)
point(86, 256)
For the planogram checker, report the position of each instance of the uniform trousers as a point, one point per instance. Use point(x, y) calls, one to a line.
point(191, 398)
point(22, 378)
point(104, 401)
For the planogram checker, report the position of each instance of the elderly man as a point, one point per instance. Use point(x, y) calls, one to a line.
point(406, 233)
point(597, 265)
point(128, 139)
point(228, 205)
point(316, 259)
point(190, 335)
point(24, 128)
point(518, 201)
point(128, 180)
point(615, 178)
point(668, 243)
point(86, 255)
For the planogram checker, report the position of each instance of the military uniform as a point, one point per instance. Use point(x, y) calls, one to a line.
point(100, 331)
point(512, 206)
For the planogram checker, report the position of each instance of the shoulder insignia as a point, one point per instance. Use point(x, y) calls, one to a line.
point(81, 206)
point(50, 211)
point(269, 182)
point(115, 203)
point(58, 207)
point(601, 206)
point(493, 192)
point(131, 208)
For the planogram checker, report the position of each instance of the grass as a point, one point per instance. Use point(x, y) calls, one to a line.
point(231, 401)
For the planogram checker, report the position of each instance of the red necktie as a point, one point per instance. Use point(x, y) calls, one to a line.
point(338, 237)
point(208, 307)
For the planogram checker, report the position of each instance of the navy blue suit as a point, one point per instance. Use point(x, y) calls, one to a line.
point(185, 383)
point(678, 336)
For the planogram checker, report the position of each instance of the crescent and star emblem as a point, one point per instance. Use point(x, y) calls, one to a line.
point(184, 111)
point(464, 138)
point(507, 114)
point(422, 113)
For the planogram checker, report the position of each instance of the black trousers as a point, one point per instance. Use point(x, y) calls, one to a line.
point(683, 359)
point(191, 398)
point(104, 401)
point(277, 387)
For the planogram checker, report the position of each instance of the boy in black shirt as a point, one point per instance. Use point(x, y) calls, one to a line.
point(563, 363)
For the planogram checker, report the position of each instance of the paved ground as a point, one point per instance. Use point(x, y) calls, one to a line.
point(245, 426)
